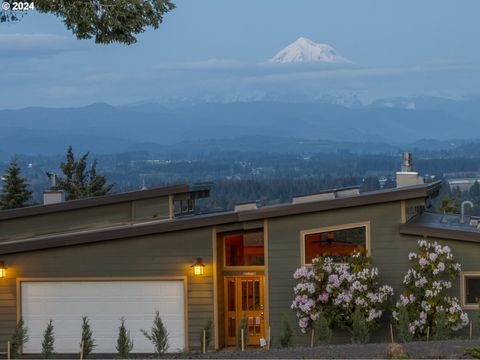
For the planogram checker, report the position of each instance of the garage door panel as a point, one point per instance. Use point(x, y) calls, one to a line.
point(105, 303)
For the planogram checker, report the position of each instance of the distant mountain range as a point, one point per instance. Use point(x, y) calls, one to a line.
point(385, 125)
point(304, 50)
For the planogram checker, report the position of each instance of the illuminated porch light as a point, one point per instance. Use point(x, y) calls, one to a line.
point(3, 269)
point(198, 267)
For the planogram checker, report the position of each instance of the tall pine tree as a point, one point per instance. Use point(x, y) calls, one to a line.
point(79, 182)
point(15, 193)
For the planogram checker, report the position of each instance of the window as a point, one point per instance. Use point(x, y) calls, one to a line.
point(335, 242)
point(184, 206)
point(244, 249)
point(471, 290)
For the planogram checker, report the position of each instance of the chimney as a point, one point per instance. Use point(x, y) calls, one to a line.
point(408, 177)
point(54, 195)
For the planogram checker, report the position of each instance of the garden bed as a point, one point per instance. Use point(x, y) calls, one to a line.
point(448, 349)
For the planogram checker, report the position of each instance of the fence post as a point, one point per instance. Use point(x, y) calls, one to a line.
point(81, 349)
point(312, 337)
point(204, 340)
point(391, 333)
point(243, 339)
point(269, 339)
point(8, 350)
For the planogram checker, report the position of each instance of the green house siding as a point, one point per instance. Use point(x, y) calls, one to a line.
point(165, 255)
point(86, 218)
point(389, 251)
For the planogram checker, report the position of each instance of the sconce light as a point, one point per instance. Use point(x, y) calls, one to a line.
point(3, 269)
point(198, 267)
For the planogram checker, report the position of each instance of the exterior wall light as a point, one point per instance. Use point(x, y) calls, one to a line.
point(3, 269)
point(198, 267)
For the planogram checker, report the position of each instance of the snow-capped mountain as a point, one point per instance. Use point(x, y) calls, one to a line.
point(305, 50)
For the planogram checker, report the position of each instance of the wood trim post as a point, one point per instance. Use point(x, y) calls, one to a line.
point(216, 331)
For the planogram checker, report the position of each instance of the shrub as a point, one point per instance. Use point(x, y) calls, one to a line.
point(286, 338)
point(441, 329)
point(18, 339)
point(242, 325)
point(87, 338)
point(158, 334)
point(426, 286)
point(208, 328)
point(48, 350)
point(124, 342)
point(337, 290)
point(402, 326)
point(476, 324)
point(323, 332)
point(473, 352)
point(360, 331)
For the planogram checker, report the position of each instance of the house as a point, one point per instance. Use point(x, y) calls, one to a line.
point(127, 255)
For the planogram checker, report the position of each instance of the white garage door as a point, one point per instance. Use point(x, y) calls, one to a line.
point(105, 303)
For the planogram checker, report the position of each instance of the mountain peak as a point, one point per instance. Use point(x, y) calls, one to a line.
point(304, 50)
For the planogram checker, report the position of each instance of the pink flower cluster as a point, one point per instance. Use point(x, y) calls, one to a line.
point(337, 289)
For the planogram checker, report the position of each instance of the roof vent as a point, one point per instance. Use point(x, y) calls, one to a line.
point(252, 205)
point(313, 197)
point(327, 195)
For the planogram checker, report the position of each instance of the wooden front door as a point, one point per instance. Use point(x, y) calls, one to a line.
point(244, 297)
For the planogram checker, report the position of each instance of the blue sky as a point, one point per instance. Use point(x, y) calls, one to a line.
point(422, 40)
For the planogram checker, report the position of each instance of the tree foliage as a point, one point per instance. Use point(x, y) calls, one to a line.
point(286, 337)
point(158, 334)
point(15, 193)
point(360, 330)
point(124, 342)
point(79, 182)
point(323, 332)
point(208, 328)
point(87, 338)
point(242, 325)
point(18, 339)
point(48, 349)
point(106, 21)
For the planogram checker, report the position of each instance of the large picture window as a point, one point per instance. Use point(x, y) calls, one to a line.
point(335, 242)
point(471, 290)
point(244, 249)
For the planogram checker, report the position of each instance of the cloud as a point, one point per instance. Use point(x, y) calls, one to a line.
point(21, 45)
point(210, 64)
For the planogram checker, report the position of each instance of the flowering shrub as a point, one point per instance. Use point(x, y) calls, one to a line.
point(425, 289)
point(337, 289)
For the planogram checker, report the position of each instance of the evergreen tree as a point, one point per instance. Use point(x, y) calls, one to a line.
point(48, 350)
point(79, 182)
point(360, 332)
point(286, 338)
point(441, 330)
point(450, 205)
point(15, 193)
point(242, 325)
point(158, 334)
point(87, 338)
point(475, 190)
point(18, 339)
point(404, 334)
point(124, 342)
point(208, 328)
point(322, 329)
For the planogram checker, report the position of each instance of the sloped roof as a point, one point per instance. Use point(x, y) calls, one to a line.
point(199, 221)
